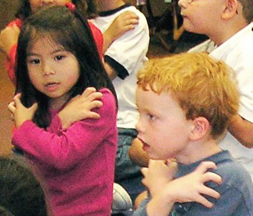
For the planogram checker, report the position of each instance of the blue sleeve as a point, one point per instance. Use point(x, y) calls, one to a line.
point(141, 211)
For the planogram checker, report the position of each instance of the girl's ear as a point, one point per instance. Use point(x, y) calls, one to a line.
point(231, 8)
point(201, 127)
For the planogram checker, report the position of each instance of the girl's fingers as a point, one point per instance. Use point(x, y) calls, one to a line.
point(88, 91)
point(11, 107)
point(34, 107)
point(16, 99)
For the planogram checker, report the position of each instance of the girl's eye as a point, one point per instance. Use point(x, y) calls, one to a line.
point(33, 61)
point(59, 57)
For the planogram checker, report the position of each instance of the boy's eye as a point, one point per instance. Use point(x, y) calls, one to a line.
point(151, 117)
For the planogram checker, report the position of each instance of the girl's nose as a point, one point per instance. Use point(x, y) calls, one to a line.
point(46, 2)
point(47, 70)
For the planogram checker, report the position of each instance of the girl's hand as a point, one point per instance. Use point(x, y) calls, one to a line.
point(80, 107)
point(158, 174)
point(20, 112)
point(9, 37)
point(191, 188)
point(123, 23)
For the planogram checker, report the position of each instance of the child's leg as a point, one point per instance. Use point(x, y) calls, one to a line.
point(127, 173)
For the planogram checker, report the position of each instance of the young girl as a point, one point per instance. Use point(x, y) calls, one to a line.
point(56, 62)
point(9, 35)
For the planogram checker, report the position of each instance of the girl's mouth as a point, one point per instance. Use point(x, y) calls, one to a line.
point(52, 86)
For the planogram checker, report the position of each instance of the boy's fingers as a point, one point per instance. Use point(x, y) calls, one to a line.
point(202, 200)
point(205, 165)
point(210, 192)
point(210, 176)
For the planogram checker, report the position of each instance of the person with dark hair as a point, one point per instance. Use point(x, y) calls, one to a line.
point(20, 192)
point(9, 35)
point(74, 154)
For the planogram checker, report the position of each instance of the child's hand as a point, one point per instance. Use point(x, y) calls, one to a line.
point(9, 37)
point(80, 107)
point(191, 188)
point(20, 112)
point(123, 23)
point(158, 174)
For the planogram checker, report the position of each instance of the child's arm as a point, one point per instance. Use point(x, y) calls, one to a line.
point(8, 38)
point(190, 188)
point(123, 23)
point(20, 113)
point(242, 129)
point(80, 107)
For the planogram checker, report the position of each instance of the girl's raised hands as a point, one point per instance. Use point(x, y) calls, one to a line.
point(81, 107)
point(20, 112)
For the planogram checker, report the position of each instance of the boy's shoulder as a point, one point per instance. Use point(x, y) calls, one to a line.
point(236, 191)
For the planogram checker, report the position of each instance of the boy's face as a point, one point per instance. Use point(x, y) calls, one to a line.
point(201, 16)
point(162, 127)
point(36, 4)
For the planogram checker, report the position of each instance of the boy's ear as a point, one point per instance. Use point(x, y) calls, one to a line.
point(230, 9)
point(201, 127)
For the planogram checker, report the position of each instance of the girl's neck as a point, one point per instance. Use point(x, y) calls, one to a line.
point(109, 5)
point(57, 103)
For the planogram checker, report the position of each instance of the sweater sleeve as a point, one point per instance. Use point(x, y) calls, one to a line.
point(10, 64)
point(98, 38)
point(66, 148)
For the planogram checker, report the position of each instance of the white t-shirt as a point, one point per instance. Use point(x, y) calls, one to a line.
point(129, 51)
point(237, 52)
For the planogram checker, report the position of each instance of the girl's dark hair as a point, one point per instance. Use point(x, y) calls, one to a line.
point(71, 31)
point(87, 7)
point(20, 192)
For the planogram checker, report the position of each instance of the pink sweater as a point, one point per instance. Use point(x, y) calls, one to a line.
point(76, 165)
point(11, 59)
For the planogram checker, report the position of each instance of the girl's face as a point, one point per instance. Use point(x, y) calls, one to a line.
point(52, 70)
point(36, 4)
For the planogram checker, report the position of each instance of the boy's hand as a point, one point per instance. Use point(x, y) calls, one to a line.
point(80, 107)
point(9, 37)
point(158, 175)
point(191, 188)
point(20, 112)
point(123, 23)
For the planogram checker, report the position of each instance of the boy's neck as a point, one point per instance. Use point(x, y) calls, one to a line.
point(105, 5)
point(223, 36)
point(200, 150)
